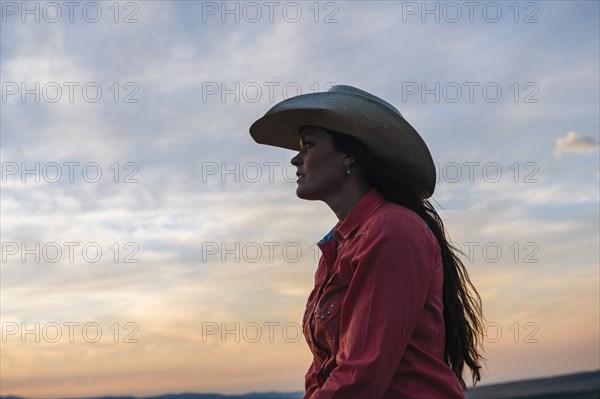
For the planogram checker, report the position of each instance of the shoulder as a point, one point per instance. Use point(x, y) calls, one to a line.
point(392, 234)
point(395, 220)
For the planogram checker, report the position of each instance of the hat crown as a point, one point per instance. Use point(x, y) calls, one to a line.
point(358, 92)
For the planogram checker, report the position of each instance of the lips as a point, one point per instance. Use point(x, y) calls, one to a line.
point(300, 176)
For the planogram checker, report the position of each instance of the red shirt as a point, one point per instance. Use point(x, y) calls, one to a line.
point(374, 321)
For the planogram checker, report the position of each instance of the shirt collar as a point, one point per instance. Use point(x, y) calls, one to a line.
point(363, 208)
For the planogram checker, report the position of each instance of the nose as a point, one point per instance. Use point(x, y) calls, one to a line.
point(297, 160)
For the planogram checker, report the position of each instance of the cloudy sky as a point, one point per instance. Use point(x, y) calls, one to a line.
point(150, 246)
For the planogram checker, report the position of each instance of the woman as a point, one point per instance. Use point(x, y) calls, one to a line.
point(393, 313)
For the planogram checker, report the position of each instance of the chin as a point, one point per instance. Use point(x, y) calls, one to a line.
point(304, 194)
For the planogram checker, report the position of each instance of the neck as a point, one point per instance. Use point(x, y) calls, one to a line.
point(344, 200)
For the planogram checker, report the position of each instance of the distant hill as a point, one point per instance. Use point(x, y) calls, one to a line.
point(571, 386)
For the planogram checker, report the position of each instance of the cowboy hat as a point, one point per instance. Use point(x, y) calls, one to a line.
point(346, 109)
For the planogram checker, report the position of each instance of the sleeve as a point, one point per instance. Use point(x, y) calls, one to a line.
point(310, 380)
point(393, 268)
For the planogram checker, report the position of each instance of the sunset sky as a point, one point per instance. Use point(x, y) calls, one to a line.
point(149, 245)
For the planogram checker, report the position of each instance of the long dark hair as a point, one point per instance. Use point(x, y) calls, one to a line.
point(463, 314)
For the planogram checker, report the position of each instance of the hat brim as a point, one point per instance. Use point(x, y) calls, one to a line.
point(384, 131)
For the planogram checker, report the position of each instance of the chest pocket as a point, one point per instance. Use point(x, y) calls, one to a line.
point(328, 309)
point(329, 303)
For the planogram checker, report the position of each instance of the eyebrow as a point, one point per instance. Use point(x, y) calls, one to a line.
point(303, 137)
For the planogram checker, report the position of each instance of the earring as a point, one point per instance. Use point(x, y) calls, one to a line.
point(347, 171)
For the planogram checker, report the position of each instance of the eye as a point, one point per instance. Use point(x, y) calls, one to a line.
point(306, 145)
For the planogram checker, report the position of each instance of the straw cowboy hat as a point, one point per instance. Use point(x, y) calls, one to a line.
point(346, 109)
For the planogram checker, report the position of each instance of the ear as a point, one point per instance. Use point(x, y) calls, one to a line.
point(348, 161)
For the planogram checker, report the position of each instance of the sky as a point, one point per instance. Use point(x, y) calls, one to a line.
point(149, 245)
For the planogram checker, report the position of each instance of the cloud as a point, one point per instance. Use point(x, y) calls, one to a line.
point(575, 142)
point(196, 183)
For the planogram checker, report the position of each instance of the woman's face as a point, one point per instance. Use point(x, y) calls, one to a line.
point(320, 167)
